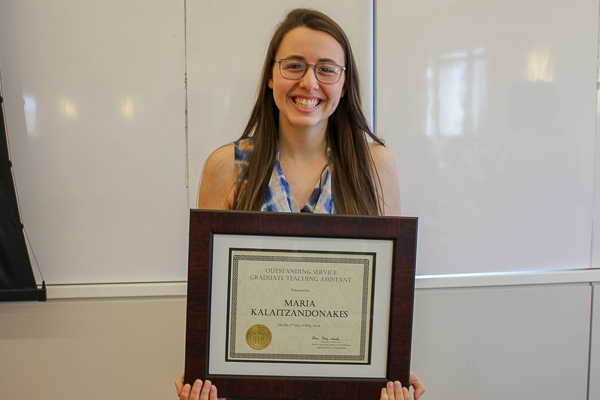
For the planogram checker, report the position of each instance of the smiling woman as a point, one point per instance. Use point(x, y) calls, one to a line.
point(305, 147)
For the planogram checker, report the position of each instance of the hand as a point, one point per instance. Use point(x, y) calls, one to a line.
point(196, 392)
point(417, 385)
point(394, 391)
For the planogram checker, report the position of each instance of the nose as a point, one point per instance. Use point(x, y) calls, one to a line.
point(309, 80)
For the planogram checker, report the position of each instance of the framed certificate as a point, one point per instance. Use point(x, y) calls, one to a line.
point(299, 306)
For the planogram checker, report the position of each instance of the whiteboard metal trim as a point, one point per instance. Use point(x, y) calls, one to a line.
point(179, 288)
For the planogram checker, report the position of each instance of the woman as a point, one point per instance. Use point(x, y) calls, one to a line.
point(304, 148)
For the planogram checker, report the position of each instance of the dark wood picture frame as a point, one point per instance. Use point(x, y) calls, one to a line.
point(205, 223)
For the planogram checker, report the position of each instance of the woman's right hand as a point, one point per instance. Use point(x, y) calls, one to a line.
point(199, 391)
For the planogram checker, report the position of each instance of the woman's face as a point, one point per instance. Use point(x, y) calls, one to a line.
point(307, 103)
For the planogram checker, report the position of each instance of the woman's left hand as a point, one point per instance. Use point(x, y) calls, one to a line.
point(395, 391)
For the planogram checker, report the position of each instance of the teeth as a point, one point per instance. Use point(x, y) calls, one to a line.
point(305, 103)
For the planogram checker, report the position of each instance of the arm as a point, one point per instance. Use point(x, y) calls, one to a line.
point(388, 176)
point(218, 178)
point(216, 193)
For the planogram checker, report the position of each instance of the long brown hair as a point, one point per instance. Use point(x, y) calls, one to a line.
point(355, 184)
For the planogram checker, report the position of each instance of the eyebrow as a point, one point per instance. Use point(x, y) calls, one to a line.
point(321, 60)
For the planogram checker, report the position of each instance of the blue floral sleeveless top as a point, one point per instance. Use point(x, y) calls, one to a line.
point(279, 195)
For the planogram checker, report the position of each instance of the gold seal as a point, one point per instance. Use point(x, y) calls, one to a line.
point(258, 337)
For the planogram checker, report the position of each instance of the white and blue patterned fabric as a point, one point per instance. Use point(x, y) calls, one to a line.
point(279, 196)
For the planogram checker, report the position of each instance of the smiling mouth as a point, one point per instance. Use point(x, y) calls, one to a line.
point(306, 103)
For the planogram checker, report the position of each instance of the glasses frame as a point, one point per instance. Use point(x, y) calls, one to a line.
point(314, 68)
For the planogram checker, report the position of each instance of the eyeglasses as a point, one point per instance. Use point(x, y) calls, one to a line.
point(324, 72)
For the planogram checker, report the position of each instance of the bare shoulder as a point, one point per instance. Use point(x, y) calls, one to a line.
point(383, 158)
point(218, 177)
point(387, 170)
point(222, 160)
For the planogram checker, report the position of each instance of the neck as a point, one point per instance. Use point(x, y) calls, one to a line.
point(302, 147)
point(302, 143)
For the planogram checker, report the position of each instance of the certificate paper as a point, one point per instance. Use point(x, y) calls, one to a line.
point(337, 293)
point(302, 306)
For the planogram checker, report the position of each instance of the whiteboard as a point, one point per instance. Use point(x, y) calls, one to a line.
point(488, 107)
point(490, 110)
point(95, 110)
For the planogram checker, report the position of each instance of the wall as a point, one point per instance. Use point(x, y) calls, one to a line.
point(522, 339)
point(92, 348)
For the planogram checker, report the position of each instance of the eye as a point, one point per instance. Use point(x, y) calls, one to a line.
point(328, 69)
point(293, 65)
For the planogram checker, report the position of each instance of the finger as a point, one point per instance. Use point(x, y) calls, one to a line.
point(205, 390)
point(390, 390)
point(213, 393)
point(179, 383)
point(406, 393)
point(398, 391)
point(185, 392)
point(195, 393)
point(417, 385)
point(418, 392)
point(384, 395)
